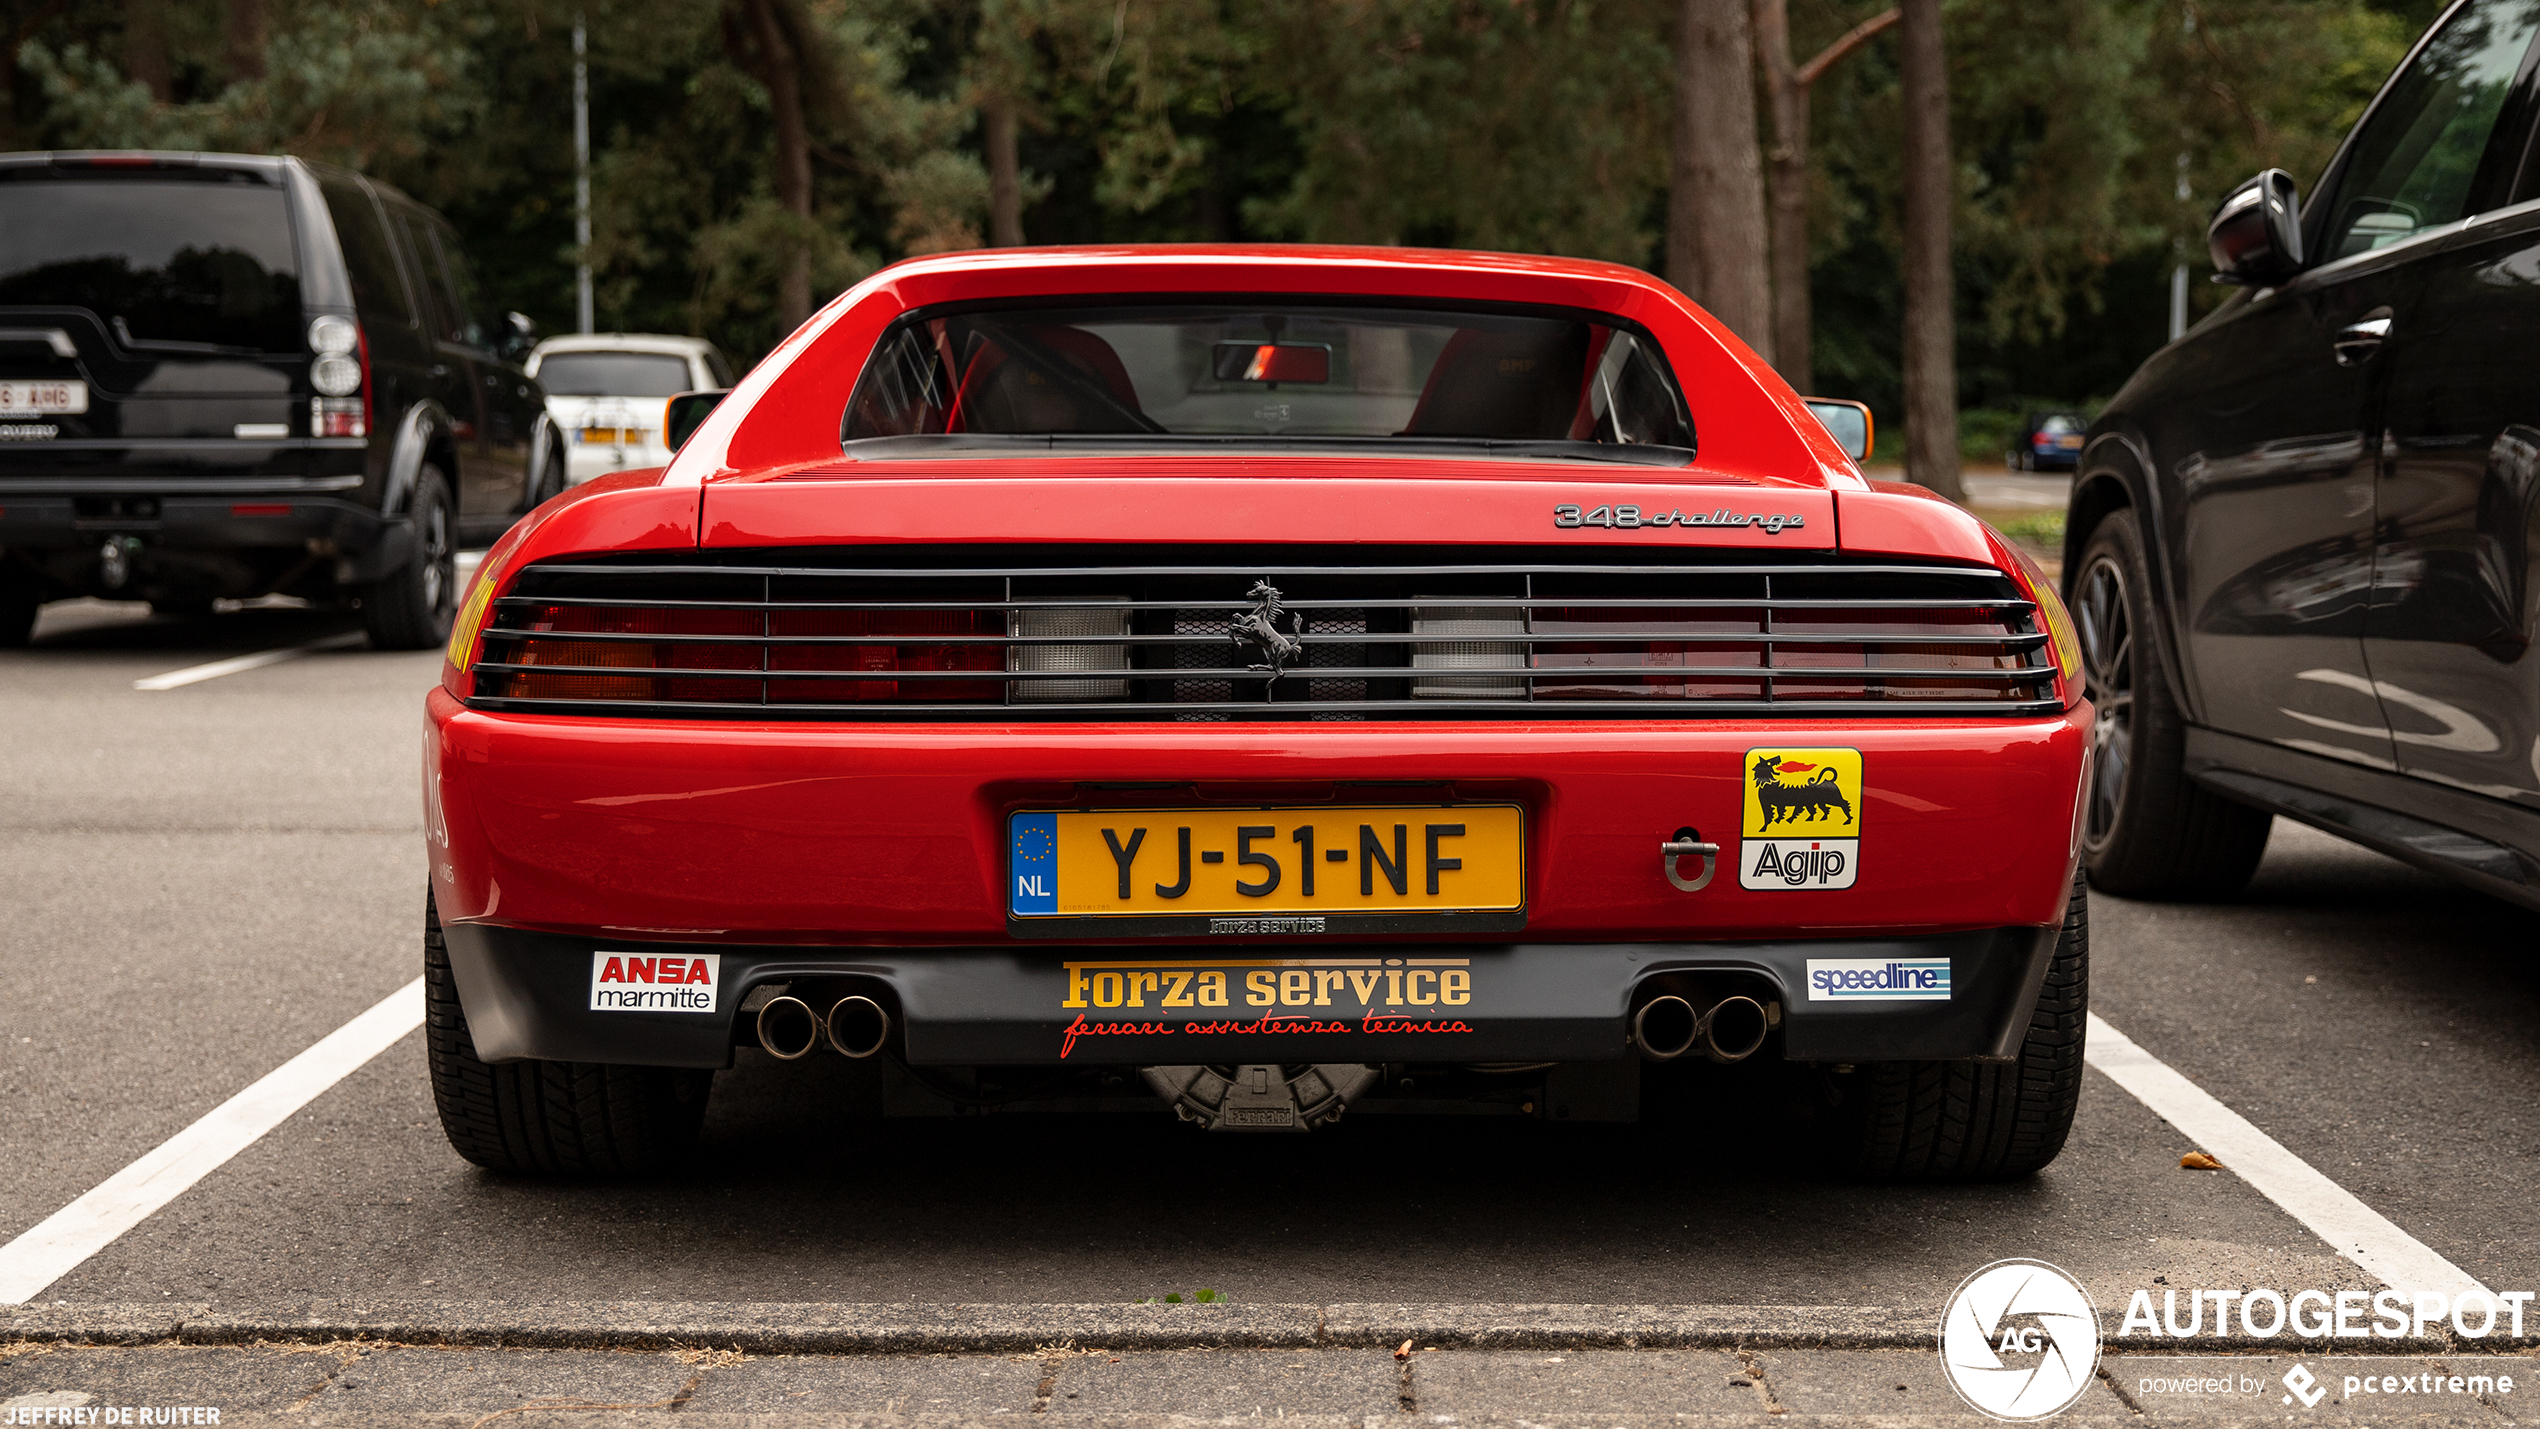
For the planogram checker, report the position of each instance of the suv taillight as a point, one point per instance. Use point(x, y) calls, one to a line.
point(341, 375)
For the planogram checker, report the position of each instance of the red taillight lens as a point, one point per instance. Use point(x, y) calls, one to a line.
point(789, 656)
point(850, 642)
point(1799, 653)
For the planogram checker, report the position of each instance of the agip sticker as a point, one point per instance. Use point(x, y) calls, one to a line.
point(1802, 822)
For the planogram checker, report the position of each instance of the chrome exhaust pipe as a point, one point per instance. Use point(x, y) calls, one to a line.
point(787, 1028)
point(1666, 1028)
point(858, 1026)
point(1733, 1029)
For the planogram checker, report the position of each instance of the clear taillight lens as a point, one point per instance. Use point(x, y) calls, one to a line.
point(1478, 639)
point(1070, 621)
point(336, 374)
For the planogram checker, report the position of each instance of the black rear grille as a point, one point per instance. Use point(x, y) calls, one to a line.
point(1005, 633)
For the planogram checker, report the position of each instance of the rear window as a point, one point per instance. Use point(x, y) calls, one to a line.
point(203, 259)
point(2061, 426)
point(1272, 373)
point(613, 374)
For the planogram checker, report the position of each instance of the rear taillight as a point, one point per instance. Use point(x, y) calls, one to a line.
point(708, 655)
point(341, 376)
point(2063, 643)
point(881, 642)
point(1452, 637)
point(1799, 651)
point(1036, 652)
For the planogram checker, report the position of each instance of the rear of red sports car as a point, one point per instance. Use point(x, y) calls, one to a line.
point(1261, 684)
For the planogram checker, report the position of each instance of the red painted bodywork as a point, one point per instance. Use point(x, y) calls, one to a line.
point(862, 833)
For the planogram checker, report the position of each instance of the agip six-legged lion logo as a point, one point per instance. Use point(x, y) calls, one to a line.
point(1811, 797)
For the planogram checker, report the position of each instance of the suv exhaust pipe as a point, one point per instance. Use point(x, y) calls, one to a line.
point(1729, 1030)
point(858, 1026)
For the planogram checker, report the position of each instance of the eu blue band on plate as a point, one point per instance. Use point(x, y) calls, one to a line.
point(1034, 865)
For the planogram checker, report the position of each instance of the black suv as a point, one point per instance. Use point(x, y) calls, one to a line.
point(2301, 540)
point(230, 376)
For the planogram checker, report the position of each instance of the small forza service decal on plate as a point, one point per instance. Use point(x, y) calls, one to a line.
point(1878, 979)
point(650, 982)
point(1802, 821)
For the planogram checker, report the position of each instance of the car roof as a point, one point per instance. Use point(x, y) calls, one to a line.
point(624, 342)
point(143, 158)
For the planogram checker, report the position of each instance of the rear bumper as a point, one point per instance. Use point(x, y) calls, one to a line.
point(871, 835)
point(530, 995)
point(61, 534)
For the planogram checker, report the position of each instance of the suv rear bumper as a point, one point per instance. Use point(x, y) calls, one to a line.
point(530, 995)
point(59, 534)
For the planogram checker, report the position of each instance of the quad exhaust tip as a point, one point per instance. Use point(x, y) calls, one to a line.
point(1729, 1030)
point(787, 1028)
point(858, 1026)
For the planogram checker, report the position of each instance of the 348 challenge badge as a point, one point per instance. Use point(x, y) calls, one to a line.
point(1802, 824)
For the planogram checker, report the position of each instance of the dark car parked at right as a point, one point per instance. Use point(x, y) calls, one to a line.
point(2301, 541)
point(229, 376)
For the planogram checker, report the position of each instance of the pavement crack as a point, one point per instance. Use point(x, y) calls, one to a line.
point(673, 1402)
point(1406, 1393)
point(2119, 1391)
point(1763, 1387)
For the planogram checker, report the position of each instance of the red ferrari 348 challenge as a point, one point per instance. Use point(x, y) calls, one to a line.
point(1258, 683)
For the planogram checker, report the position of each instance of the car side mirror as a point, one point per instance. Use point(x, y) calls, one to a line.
point(1847, 422)
point(2256, 235)
point(514, 336)
point(683, 414)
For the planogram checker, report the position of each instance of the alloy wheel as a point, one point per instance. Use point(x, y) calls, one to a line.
point(440, 561)
point(2107, 657)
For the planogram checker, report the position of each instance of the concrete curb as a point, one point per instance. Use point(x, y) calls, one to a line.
point(852, 1329)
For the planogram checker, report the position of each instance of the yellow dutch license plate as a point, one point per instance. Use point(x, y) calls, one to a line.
point(1273, 863)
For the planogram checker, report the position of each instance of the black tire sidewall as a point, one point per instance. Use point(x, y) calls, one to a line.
point(406, 609)
point(2171, 837)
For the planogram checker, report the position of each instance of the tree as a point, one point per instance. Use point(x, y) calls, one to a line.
point(1715, 199)
point(1786, 89)
point(773, 41)
point(1931, 333)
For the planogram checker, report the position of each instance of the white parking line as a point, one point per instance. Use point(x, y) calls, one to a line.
point(196, 674)
point(2355, 1230)
point(88, 1225)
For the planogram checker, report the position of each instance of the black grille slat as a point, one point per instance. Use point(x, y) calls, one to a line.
point(1590, 639)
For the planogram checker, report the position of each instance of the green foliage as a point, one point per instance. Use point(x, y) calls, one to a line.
point(1204, 1297)
point(1524, 125)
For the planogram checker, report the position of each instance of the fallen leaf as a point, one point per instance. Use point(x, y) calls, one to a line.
point(2198, 1161)
point(1404, 1352)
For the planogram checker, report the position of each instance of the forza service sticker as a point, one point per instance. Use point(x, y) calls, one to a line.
point(1801, 827)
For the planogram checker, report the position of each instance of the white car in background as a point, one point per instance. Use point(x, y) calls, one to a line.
point(605, 393)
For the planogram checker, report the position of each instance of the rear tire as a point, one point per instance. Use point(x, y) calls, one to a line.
point(1972, 1121)
point(21, 596)
point(411, 607)
point(2150, 831)
point(563, 1119)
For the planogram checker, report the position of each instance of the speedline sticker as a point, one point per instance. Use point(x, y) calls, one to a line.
point(1802, 822)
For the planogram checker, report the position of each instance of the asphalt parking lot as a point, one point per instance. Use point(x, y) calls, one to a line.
point(202, 881)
